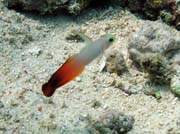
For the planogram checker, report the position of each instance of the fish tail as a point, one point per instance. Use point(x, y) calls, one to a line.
point(67, 72)
point(48, 90)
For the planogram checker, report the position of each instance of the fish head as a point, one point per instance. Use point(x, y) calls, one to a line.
point(107, 40)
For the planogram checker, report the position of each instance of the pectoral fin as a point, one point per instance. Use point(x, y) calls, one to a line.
point(102, 62)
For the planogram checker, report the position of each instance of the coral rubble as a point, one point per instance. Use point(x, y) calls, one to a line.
point(155, 49)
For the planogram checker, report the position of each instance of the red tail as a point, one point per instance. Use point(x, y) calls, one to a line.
point(48, 90)
point(67, 72)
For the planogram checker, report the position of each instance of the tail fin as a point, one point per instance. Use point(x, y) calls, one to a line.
point(67, 72)
point(48, 90)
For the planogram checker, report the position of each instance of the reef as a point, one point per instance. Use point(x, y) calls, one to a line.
point(166, 10)
point(48, 6)
point(155, 49)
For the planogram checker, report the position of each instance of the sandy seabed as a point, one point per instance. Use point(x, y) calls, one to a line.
point(32, 47)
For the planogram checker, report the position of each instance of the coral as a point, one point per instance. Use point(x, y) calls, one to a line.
point(167, 16)
point(155, 49)
point(167, 10)
point(155, 65)
point(157, 3)
point(115, 62)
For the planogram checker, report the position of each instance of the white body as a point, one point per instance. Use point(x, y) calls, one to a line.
point(92, 51)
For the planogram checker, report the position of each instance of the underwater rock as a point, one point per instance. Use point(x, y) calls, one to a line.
point(135, 5)
point(112, 122)
point(175, 84)
point(167, 16)
point(48, 6)
point(167, 10)
point(159, 3)
point(115, 62)
point(155, 49)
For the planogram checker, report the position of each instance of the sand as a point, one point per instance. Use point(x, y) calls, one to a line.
point(27, 64)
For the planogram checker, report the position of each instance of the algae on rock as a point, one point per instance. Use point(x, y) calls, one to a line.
point(155, 49)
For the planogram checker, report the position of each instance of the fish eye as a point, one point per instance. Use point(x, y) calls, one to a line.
point(110, 39)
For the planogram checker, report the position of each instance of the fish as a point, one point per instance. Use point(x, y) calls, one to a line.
point(75, 65)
